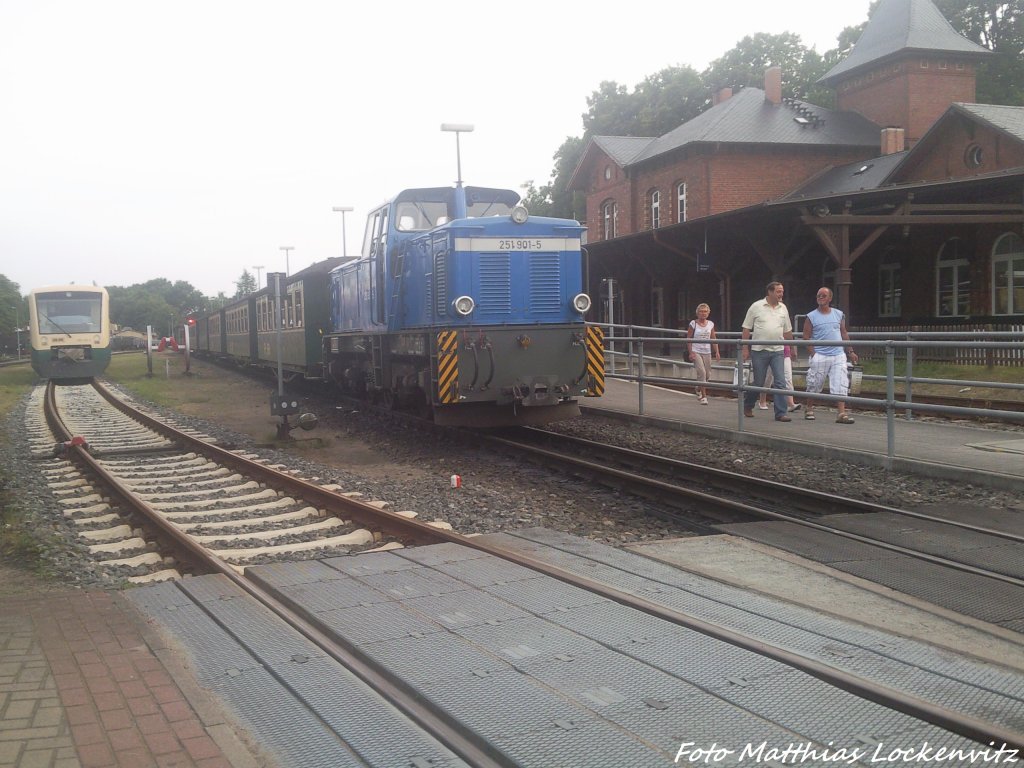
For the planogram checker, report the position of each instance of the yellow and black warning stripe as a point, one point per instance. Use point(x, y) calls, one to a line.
point(448, 367)
point(595, 361)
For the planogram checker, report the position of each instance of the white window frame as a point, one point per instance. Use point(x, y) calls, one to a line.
point(655, 209)
point(681, 202)
point(960, 268)
point(890, 289)
point(609, 219)
point(657, 306)
point(1012, 256)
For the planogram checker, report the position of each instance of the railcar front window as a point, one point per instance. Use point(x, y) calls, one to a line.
point(69, 312)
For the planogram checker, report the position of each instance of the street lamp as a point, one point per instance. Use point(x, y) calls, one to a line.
point(258, 270)
point(343, 209)
point(287, 250)
point(17, 329)
point(457, 128)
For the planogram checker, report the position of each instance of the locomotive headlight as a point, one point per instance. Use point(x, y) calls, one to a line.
point(520, 214)
point(581, 303)
point(464, 305)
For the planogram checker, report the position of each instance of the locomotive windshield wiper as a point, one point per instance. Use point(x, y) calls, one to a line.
point(55, 324)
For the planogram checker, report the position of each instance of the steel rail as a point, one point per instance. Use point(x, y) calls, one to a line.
point(728, 479)
point(464, 742)
point(754, 511)
point(967, 726)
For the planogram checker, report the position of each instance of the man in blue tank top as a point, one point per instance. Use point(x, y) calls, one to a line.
point(828, 361)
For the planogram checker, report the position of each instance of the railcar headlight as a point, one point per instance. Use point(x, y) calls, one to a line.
point(581, 302)
point(464, 305)
point(520, 214)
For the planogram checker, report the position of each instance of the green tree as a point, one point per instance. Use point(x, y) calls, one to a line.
point(157, 302)
point(13, 314)
point(1000, 28)
point(661, 102)
point(745, 64)
point(245, 284)
point(553, 198)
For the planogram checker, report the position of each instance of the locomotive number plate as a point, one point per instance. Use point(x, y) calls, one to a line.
point(506, 244)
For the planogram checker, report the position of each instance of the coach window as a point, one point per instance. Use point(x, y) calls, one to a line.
point(609, 215)
point(298, 308)
point(681, 202)
point(952, 280)
point(655, 197)
point(1008, 275)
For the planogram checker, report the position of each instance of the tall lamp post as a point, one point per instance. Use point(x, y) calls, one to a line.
point(343, 209)
point(287, 250)
point(258, 269)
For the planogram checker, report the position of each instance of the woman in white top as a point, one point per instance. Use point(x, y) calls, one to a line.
point(702, 334)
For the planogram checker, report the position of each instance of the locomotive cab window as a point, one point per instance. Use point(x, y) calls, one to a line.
point(477, 210)
point(420, 215)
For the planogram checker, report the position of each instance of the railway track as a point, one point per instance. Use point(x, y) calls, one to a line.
point(135, 493)
point(167, 497)
point(701, 498)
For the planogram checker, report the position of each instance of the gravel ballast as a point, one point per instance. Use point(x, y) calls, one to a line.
point(498, 492)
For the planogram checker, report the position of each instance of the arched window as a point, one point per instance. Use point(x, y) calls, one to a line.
point(952, 280)
point(681, 202)
point(609, 215)
point(1008, 275)
point(655, 197)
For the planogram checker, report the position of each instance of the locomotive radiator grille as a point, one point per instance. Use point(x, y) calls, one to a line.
point(595, 361)
point(448, 367)
point(545, 283)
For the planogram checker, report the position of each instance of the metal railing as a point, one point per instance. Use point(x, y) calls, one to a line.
point(628, 356)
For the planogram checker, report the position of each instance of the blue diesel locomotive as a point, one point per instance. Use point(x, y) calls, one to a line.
point(464, 305)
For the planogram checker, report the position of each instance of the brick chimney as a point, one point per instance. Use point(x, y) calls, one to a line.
point(722, 94)
point(892, 140)
point(773, 85)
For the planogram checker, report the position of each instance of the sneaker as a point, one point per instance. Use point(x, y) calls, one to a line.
point(783, 417)
point(762, 406)
point(844, 419)
point(796, 407)
point(703, 401)
point(748, 412)
point(809, 415)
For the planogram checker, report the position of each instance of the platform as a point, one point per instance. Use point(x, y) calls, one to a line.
point(946, 450)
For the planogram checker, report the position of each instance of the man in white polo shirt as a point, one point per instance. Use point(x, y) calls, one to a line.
point(767, 321)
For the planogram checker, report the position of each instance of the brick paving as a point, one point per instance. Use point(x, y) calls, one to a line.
point(83, 683)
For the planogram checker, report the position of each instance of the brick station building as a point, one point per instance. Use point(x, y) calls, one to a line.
point(907, 199)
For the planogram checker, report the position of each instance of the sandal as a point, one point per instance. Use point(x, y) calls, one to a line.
point(842, 418)
point(809, 415)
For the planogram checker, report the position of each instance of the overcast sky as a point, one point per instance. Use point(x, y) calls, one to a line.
point(190, 140)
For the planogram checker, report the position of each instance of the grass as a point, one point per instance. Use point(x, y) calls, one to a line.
point(1000, 374)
